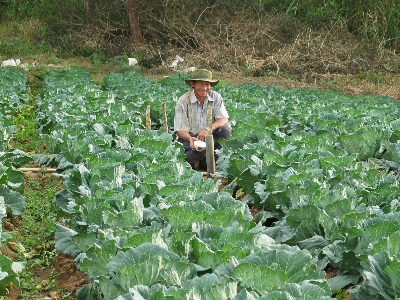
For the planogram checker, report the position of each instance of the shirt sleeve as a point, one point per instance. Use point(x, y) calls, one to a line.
point(181, 121)
point(219, 106)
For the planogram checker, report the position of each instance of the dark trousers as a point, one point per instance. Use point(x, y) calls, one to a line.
point(194, 157)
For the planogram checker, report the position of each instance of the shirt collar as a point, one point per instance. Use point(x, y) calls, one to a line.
point(193, 98)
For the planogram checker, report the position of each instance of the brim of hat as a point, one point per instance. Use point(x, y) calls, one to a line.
point(212, 82)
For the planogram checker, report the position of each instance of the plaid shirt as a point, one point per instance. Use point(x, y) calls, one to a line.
point(191, 117)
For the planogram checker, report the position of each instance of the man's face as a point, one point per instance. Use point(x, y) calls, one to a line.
point(201, 88)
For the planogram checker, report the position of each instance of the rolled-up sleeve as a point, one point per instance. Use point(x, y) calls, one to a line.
point(181, 121)
point(219, 110)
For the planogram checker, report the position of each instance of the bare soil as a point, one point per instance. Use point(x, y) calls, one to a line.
point(68, 280)
point(353, 85)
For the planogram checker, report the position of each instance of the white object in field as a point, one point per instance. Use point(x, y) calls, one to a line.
point(177, 60)
point(199, 144)
point(189, 70)
point(132, 61)
point(11, 62)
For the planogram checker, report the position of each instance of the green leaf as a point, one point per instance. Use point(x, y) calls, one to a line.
point(341, 207)
point(377, 282)
point(305, 290)
point(3, 208)
point(87, 292)
point(391, 244)
point(181, 243)
point(392, 152)
point(314, 243)
point(305, 219)
point(393, 272)
point(365, 145)
point(206, 257)
point(182, 218)
point(132, 216)
point(84, 241)
point(341, 280)
point(227, 216)
point(8, 276)
point(14, 202)
point(157, 269)
point(207, 286)
point(64, 242)
point(298, 265)
point(259, 278)
point(108, 289)
point(97, 259)
point(373, 234)
point(153, 237)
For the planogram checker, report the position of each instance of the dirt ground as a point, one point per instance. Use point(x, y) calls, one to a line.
point(351, 86)
point(68, 280)
point(345, 84)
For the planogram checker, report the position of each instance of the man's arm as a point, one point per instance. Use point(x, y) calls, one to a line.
point(183, 135)
point(186, 136)
point(217, 124)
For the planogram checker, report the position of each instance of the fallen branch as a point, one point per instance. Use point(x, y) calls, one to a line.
point(37, 170)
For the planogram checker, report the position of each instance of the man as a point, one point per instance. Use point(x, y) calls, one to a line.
point(191, 123)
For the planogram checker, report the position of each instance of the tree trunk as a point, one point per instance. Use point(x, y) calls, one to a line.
point(133, 19)
point(87, 9)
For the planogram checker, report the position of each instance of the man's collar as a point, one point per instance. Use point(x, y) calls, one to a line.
point(193, 98)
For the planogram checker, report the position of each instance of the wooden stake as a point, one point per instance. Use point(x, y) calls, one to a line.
point(210, 155)
point(37, 170)
point(210, 159)
point(164, 110)
point(209, 120)
point(148, 119)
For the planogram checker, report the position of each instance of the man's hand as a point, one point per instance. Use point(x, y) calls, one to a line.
point(202, 134)
point(192, 139)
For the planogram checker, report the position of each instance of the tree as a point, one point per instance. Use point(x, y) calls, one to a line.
point(87, 9)
point(133, 20)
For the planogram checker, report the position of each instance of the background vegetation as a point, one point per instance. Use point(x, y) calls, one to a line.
point(162, 21)
point(237, 31)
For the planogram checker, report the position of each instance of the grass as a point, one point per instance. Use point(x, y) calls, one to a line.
point(26, 130)
point(34, 243)
point(36, 225)
point(35, 238)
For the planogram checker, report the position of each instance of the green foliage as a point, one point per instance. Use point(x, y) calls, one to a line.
point(13, 93)
point(140, 221)
point(375, 20)
point(321, 163)
point(65, 25)
point(37, 222)
point(161, 209)
point(36, 234)
point(20, 10)
point(26, 130)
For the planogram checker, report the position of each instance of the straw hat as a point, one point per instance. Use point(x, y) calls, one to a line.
point(202, 75)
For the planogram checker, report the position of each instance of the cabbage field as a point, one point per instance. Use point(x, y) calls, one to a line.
point(321, 168)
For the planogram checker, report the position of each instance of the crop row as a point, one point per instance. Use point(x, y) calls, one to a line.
point(139, 220)
point(13, 94)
